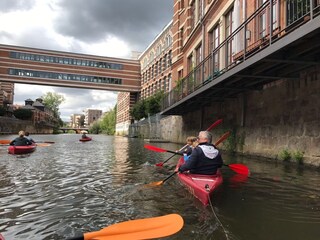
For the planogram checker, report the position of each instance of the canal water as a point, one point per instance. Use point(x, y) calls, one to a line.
point(70, 187)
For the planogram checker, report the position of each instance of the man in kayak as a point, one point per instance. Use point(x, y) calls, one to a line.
point(205, 158)
point(21, 140)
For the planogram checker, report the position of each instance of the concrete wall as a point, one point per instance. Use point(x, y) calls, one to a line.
point(284, 115)
point(13, 126)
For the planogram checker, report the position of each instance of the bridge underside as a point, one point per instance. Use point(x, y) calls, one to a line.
point(284, 59)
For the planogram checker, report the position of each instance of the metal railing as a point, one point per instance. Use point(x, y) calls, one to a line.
point(249, 38)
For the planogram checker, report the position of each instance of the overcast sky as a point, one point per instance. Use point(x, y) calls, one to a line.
point(112, 28)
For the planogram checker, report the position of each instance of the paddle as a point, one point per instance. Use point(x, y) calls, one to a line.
point(45, 142)
point(216, 123)
point(4, 141)
point(147, 228)
point(157, 149)
point(238, 168)
point(221, 139)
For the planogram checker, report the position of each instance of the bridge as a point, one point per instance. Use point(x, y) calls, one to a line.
point(77, 130)
point(64, 69)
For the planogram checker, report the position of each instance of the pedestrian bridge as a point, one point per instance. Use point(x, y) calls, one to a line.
point(64, 69)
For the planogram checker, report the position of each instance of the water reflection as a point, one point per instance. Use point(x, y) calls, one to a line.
point(72, 187)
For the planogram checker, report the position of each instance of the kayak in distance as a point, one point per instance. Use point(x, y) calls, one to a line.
point(85, 139)
point(200, 186)
point(22, 149)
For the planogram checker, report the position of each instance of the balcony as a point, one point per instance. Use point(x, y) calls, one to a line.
point(252, 57)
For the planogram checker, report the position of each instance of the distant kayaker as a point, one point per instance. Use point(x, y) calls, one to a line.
point(27, 136)
point(21, 140)
point(205, 158)
point(84, 135)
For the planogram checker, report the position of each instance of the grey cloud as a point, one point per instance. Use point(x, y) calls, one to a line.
point(37, 38)
point(12, 5)
point(136, 22)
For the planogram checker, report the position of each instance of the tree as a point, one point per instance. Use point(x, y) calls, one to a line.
point(138, 110)
point(148, 106)
point(108, 122)
point(52, 101)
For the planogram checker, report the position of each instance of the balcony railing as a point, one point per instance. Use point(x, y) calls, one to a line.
point(260, 30)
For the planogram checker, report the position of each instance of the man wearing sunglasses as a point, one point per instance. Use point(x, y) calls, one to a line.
point(205, 158)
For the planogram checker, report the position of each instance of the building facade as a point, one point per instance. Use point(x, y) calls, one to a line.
point(155, 64)
point(91, 115)
point(6, 93)
point(65, 69)
point(75, 120)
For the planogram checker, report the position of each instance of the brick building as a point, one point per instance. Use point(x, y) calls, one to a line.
point(155, 64)
point(91, 115)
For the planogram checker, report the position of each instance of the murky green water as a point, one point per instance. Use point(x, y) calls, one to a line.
point(70, 187)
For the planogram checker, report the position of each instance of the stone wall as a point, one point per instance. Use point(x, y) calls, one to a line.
point(13, 126)
point(283, 115)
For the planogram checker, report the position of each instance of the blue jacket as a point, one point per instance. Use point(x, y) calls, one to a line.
point(204, 159)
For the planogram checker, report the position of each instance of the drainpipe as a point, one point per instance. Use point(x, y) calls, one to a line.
point(203, 37)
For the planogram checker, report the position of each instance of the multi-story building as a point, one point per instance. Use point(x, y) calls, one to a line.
point(155, 64)
point(6, 93)
point(65, 69)
point(91, 115)
point(41, 115)
point(211, 37)
point(76, 120)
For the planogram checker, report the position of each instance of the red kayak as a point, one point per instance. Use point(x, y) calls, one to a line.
point(22, 149)
point(201, 186)
point(85, 139)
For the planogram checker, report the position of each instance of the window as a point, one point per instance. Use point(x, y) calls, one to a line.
point(198, 55)
point(228, 31)
point(199, 10)
point(192, 15)
point(190, 63)
point(181, 39)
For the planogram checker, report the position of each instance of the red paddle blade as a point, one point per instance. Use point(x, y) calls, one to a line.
point(239, 168)
point(222, 138)
point(153, 148)
point(160, 164)
point(214, 124)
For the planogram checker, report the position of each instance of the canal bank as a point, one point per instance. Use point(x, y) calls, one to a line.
point(10, 125)
point(282, 118)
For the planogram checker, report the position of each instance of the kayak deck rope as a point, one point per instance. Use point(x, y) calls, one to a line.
point(224, 230)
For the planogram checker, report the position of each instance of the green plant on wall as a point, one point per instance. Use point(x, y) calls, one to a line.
point(284, 155)
point(298, 156)
point(241, 141)
point(230, 143)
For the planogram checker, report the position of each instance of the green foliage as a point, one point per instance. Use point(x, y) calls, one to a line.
point(108, 122)
point(95, 128)
point(23, 114)
point(284, 155)
point(52, 101)
point(148, 106)
point(2, 111)
point(231, 142)
point(138, 110)
point(298, 156)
